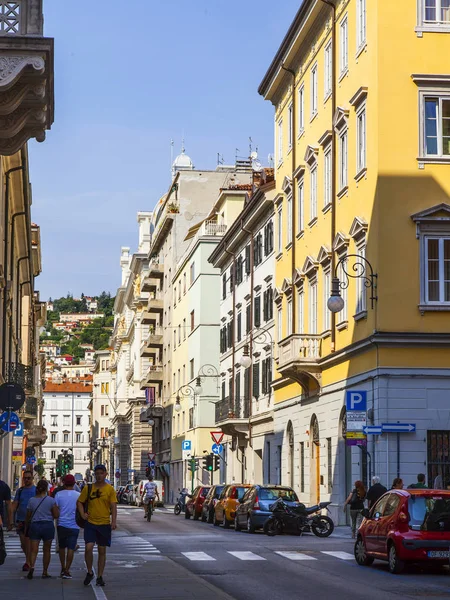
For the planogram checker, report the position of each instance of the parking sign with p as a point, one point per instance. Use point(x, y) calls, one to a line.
point(356, 401)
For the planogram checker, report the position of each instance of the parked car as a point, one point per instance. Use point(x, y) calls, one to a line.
point(210, 503)
point(254, 507)
point(225, 509)
point(160, 486)
point(406, 526)
point(195, 502)
point(120, 493)
point(126, 496)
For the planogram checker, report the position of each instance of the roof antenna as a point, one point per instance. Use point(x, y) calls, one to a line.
point(171, 152)
point(219, 159)
point(249, 146)
point(236, 153)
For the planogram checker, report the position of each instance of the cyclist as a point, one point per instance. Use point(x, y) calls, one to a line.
point(149, 493)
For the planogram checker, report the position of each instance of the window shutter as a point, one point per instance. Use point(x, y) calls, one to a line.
point(260, 247)
point(230, 387)
point(246, 383)
point(229, 334)
point(270, 304)
point(221, 340)
point(237, 387)
point(231, 277)
point(270, 226)
point(247, 259)
point(265, 318)
point(225, 338)
point(257, 316)
point(256, 380)
point(239, 327)
point(269, 374)
point(266, 239)
point(248, 325)
point(264, 377)
point(223, 390)
point(224, 286)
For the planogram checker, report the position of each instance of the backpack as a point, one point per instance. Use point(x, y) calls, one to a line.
point(82, 522)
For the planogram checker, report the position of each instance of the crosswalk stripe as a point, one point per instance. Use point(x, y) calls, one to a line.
point(341, 555)
point(246, 556)
point(295, 556)
point(197, 556)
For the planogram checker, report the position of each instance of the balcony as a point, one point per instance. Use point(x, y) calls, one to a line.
point(154, 340)
point(37, 435)
point(155, 303)
point(153, 410)
point(298, 359)
point(213, 228)
point(30, 409)
point(156, 270)
point(149, 284)
point(153, 376)
point(232, 417)
point(20, 374)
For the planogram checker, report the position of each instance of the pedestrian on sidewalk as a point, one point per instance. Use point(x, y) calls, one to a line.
point(397, 484)
point(41, 511)
point(67, 528)
point(375, 492)
point(5, 499)
point(356, 501)
point(18, 514)
point(2, 543)
point(420, 485)
point(101, 519)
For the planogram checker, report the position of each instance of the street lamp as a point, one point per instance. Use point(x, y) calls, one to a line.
point(260, 337)
point(198, 390)
point(362, 269)
point(245, 359)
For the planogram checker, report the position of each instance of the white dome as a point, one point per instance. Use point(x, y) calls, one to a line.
point(182, 161)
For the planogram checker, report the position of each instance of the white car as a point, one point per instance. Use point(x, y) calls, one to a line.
point(160, 487)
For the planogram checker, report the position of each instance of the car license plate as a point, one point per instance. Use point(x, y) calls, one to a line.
point(438, 554)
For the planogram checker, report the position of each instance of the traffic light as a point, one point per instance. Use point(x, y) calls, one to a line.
point(193, 464)
point(59, 466)
point(52, 474)
point(69, 461)
point(216, 462)
point(207, 462)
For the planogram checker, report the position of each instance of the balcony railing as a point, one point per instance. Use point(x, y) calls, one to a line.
point(20, 374)
point(225, 409)
point(30, 408)
point(22, 17)
point(213, 228)
point(302, 348)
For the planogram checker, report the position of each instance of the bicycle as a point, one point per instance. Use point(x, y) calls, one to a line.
point(150, 509)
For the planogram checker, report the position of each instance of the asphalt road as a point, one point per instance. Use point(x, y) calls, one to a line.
point(255, 567)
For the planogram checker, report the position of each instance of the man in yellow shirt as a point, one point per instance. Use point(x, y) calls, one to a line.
point(101, 519)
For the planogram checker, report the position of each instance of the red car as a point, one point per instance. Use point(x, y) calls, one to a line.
point(195, 502)
point(406, 526)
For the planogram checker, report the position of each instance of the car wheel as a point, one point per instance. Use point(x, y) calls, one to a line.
point(204, 517)
point(237, 527)
point(196, 516)
point(216, 521)
point(250, 526)
point(211, 517)
point(187, 514)
point(361, 555)
point(395, 564)
point(225, 521)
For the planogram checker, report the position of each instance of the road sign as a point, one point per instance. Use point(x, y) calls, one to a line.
point(18, 432)
point(186, 445)
point(11, 423)
point(356, 401)
point(217, 436)
point(12, 396)
point(373, 430)
point(151, 456)
point(398, 427)
point(117, 474)
point(217, 448)
point(151, 463)
point(356, 420)
point(355, 438)
point(187, 454)
point(31, 460)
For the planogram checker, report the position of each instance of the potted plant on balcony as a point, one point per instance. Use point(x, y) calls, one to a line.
point(173, 208)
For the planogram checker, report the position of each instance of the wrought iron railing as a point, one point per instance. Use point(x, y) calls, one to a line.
point(21, 17)
point(21, 374)
point(226, 409)
point(30, 408)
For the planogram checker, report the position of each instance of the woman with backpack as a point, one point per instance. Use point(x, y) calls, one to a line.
point(356, 501)
point(39, 525)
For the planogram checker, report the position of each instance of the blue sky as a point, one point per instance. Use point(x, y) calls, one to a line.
point(129, 77)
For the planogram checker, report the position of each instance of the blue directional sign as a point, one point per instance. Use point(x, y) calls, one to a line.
point(186, 445)
point(373, 430)
point(217, 448)
point(18, 432)
point(152, 463)
point(9, 421)
point(356, 401)
point(31, 460)
point(398, 427)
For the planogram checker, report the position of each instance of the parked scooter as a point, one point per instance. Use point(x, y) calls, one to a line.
point(180, 505)
point(298, 519)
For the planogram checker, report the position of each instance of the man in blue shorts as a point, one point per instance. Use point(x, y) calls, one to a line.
point(19, 508)
point(68, 530)
point(101, 519)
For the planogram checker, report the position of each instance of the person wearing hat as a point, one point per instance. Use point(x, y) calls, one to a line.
point(101, 519)
point(68, 530)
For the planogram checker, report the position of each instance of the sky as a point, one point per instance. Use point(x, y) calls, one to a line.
point(129, 78)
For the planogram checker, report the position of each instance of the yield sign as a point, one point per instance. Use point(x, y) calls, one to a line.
point(151, 456)
point(217, 436)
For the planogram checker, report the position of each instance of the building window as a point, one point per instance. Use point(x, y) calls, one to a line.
point(268, 241)
point(301, 206)
point(179, 291)
point(290, 127)
point(224, 286)
point(66, 438)
point(280, 142)
point(258, 250)
point(184, 283)
point(268, 305)
point(239, 326)
point(78, 419)
point(289, 219)
point(330, 466)
point(179, 334)
point(54, 421)
point(361, 19)
point(102, 410)
point(361, 289)
point(192, 273)
point(361, 139)
point(280, 323)
point(437, 270)
point(314, 92)
point(66, 420)
point(257, 315)
point(300, 311)
point(192, 320)
point(184, 329)
point(326, 295)
point(436, 12)
point(53, 438)
point(302, 467)
point(313, 307)
point(313, 194)
point(191, 418)
point(289, 317)
point(328, 70)
point(248, 323)
point(78, 438)
point(192, 368)
point(175, 339)
point(343, 58)
point(301, 109)
point(344, 292)
point(280, 230)
point(343, 159)
point(436, 125)
point(53, 454)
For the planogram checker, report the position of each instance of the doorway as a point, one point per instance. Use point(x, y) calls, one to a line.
point(290, 454)
point(438, 455)
point(315, 461)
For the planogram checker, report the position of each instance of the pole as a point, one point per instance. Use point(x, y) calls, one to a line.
point(192, 474)
point(398, 454)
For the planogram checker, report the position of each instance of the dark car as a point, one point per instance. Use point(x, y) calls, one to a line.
point(127, 493)
point(120, 493)
point(406, 526)
point(210, 503)
point(195, 502)
point(254, 508)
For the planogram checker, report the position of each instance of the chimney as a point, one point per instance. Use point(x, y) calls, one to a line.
point(144, 220)
point(125, 261)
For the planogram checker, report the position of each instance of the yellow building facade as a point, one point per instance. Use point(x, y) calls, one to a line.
point(362, 156)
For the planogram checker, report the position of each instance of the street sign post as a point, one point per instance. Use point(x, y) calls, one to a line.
point(217, 448)
point(186, 447)
point(18, 432)
point(9, 421)
point(356, 416)
point(151, 456)
point(398, 427)
point(31, 460)
point(217, 436)
point(373, 430)
point(356, 438)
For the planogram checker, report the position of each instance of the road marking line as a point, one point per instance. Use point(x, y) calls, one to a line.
point(295, 556)
point(341, 555)
point(246, 556)
point(197, 556)
point(98, 591)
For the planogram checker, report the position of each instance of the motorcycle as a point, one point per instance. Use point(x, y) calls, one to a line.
point(181, 501)
point(298, 519)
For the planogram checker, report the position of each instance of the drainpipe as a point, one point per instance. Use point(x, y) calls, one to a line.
point(293, 201)
point(233, 356)
point(333, 159)
point(11, 269)
point(250, 345)
point(5, 260)
point(19, 287)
